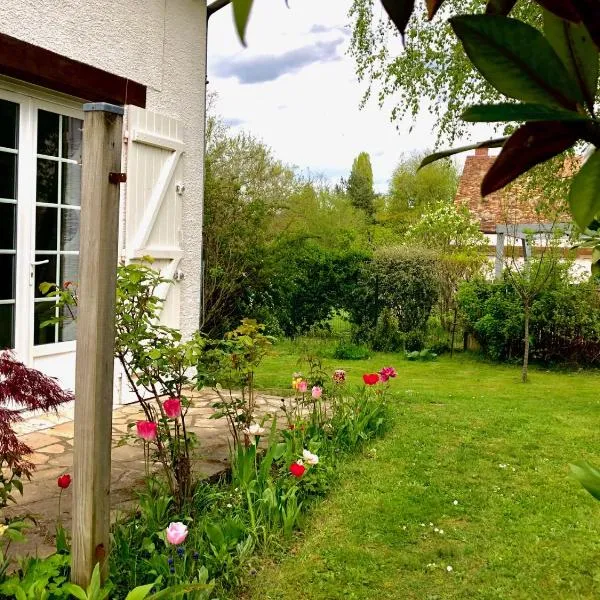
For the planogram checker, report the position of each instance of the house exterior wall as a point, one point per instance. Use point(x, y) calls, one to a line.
point(158, 43)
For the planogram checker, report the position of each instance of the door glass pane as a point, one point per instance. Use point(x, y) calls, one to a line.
point(47, 181)
point(71, 184)
point(69, 269)
point(72, 138)
point(42, 312)
point(69, 229)
point(7, 226)
point(7, 318)
point(45, 273)
point(67, 330)
point(9, 119)
point(47, 139)
point(46, 225)
point(7, 278)
point(8, 175)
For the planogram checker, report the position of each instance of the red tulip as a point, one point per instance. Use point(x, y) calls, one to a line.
point(371, 378)
point(297, 469)
point(146, 430)
point(172, 408)
point(64, 481)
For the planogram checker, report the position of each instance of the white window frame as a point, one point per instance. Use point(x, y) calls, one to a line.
point(30, 99)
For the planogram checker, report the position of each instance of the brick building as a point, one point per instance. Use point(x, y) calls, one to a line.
point(502, 216)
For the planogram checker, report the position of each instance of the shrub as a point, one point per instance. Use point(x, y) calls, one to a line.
point(349, 351)
point(564, 328)
point(386, 336)
point(306, 284)
point(402, 280)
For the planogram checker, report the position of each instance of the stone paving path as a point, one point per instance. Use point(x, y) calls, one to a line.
point(51, 438)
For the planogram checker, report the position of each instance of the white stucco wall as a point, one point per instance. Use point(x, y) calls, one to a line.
point(158, 43)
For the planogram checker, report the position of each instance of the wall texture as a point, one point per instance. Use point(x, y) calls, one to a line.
point(158, 43)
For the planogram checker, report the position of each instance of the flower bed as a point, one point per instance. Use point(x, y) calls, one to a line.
point(210, 538)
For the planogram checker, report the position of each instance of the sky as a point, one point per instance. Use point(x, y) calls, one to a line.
point(294, 87)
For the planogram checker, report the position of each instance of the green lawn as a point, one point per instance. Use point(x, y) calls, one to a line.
point(474, 453)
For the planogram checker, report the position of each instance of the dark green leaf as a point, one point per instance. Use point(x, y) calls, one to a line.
point(588, 476)
point(399, 12)
point(432, 7)
point(241, 14)
point(584, 196)
point(499, 7)
point(531, 144)
point(516, 59)
point(489, 113)
point(575, 47)
point(496, 143)
point(565, 9)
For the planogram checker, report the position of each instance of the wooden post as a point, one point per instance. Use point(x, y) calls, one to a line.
point(102, 139)
point(499, 255)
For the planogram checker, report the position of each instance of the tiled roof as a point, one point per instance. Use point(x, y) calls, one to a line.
point(498, 208)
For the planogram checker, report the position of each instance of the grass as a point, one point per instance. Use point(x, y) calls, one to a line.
point(467, 431)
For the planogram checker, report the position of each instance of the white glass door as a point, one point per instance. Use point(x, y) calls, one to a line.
point(40, 181)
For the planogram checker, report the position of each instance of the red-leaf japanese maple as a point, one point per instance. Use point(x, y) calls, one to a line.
point(21, 389)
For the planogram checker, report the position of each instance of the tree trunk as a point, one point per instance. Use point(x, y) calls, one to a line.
point(526, 347)
point(453, 331)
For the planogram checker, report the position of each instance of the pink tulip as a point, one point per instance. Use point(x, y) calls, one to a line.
point(386, 373)
point(316, 392)
point(146, 430)
point(302, 387)
point(176, 533)
point(172, 408)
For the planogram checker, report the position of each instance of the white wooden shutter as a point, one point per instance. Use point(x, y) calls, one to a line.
point(153, 210)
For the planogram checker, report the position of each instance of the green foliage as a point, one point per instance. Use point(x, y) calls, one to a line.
point(346, 350)
point(245, 189)
point(426, 355)
point(308, 283)
point(276, 246)
point(228, 366)
point(386, 336)
point(260, 505)
point(404, 281)
point(564, 322)
point(158, 364)
point(360, 184)
point(449, 229)
point(413, 192)
point(550, 65)
point(588, 476)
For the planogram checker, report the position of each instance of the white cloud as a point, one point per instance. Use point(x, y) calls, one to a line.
point(295, 87)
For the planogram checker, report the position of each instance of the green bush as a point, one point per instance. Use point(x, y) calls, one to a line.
point(564, 327)
point(306, 284)
point(350, 351)
point(402, 281)
point(386, 336)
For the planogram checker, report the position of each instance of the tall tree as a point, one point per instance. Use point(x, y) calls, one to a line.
point(360, 184)
point(414, 192)
point(430, 70)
